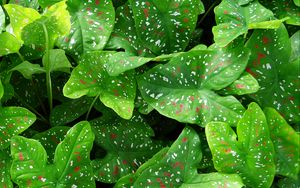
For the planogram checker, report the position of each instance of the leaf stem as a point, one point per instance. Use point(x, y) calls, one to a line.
point(20, 56)
point(207, 12)
point(91, 106)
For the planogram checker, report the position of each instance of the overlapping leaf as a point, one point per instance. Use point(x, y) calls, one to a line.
point(71, 167)
point(26, 3)
point(2, 20)
point(1, 90)
point(286, 144)
point(234, 20)
point(27, 69)
point(128, 144)
point(90, 78)
point(5, 163)
point(9, 44)
point(13, 121)
point(92, 24)
point(176, 167)
point(278, 77)
point(183, 89)
point(165, 26)
point(251, 155)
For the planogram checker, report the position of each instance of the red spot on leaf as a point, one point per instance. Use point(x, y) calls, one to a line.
point(147, 3)
point(91, 22)
point(67, 39)
point(239, 86)
point(146, 12)
point(101, 174)
point(113, 136)
point(78, 158)
point(227, 150)
point(124, 162)
point(186, 20)
point(88, 8)
point(97, 2)
point(184, 139)
point(54, 139)
point(192, 98)
point(40, 178)
point(251, 72)
point(265, 40)
point(26, 118)
point(21, 157)
point(82, 82)
point(99, 13)
point(77, 168)
point(178, 164)
point(186, 11)
point(226, 12)
point(116, 170)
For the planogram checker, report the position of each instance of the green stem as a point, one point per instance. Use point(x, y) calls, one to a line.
point(91, 106)
point(207, 12)
point(20, 56)
point(47, 67)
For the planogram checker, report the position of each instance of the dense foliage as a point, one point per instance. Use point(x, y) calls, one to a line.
point(149, 93)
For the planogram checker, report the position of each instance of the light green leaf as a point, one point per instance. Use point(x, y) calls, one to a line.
point(5, 163)
point(295, 40)
point(1, 90)
point(273, 24)
point(27, 69)
point(251, 155)
point(26, 3)
point(13, 121)
point(58, 61)
point(297, 2)
point(9, 44)
point(47, 3)
point(2, 20)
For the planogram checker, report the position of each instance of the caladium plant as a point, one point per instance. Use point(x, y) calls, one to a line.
point(149, 93)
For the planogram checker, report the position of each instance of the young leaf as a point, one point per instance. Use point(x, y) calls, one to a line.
point(286, 144)
point(251, 156)
point(246, 84)
point(90, 78)
point(20, 17)
point(92, 24)
point(9, 44)
point(278, 78)
point(295, 40)
point(27, 69)
point(13, 121)
point(233, 20)
point(166, 26)
point(71, 167)
point(128, 144)
point(58, 61)
point(5, 163)
point(183, 88)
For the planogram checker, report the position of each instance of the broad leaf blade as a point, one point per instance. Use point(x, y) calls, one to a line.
point(9, 44)
point(58, 61)
point(47, 3)
point(1, 90)
point(5, 164)
point(13, 121)
point(252, 156)
point(27, 69)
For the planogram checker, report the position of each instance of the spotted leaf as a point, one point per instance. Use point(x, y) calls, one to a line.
point(90, 78)
point(92, 23)
point(233, 20)
point(13, 121)
point(251, 155)
point(58, 61)
point(26, 3)
point(47, 3)
point(166, 26)
point(183, 89)
point(278, 77)
point(128, 144)
point(5, 163)
point(286, 144)
point(289, 182)
point(51, 138)
point(9, 44)
point(295, 40)
point(69, 111)
point(71, 166)
point(246, 84)
point(27, 69)
point(284, 8)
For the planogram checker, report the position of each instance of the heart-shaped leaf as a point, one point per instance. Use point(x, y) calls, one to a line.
point(183, 89)
point(51, 138)
point(165, 26)
point(27, 69)
point(13, 121)
point(5, 163)
point(9, 44)
point(58, 61)
point(251, 156)
point(233, 20)
point(278, 78)
point(90, 78)
point(71, 167)
point(246, 84)
point(284, 8)
point(286, 144)
point(128, 144)
point(26, 3)
point(92, 24)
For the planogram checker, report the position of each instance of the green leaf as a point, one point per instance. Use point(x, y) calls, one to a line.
point(246, 84)
point(5, 163)
point(92, 24)
point(295, 40)
point(27, 69)
point(47, 3)
point(251, 155)
point(20, 17)
point(90, 78)
point(128, 144)
point(13, 121)
point(71, 167)
point(286, 144)
point(234, 20)
point(183, 89)
point(289, 182)
point(9, 44)
point(244, 2)
point(26, 3)
point(273, 24)
point(58, 61)
point(2, 20)
point(284, 8)
point(278, 78)
point(69, 111)
point(297, 2)
point(166, 26)
point(51, 138)
point(1, 90)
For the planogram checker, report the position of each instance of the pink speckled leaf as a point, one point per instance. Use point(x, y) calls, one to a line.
point(251, 156)
point(92, 23)
point(183, 89)
point(128, 145)
point(165, 26)
point(13, 121)
point(90, 78)
point(5, 163)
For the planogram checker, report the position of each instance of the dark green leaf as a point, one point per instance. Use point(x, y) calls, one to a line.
point(5, 163)
point(27, 69)
point(2, 20)
point(9, 44)
point(47, 3)
point(289, 183)
point(1, 90)
point(251, 155)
